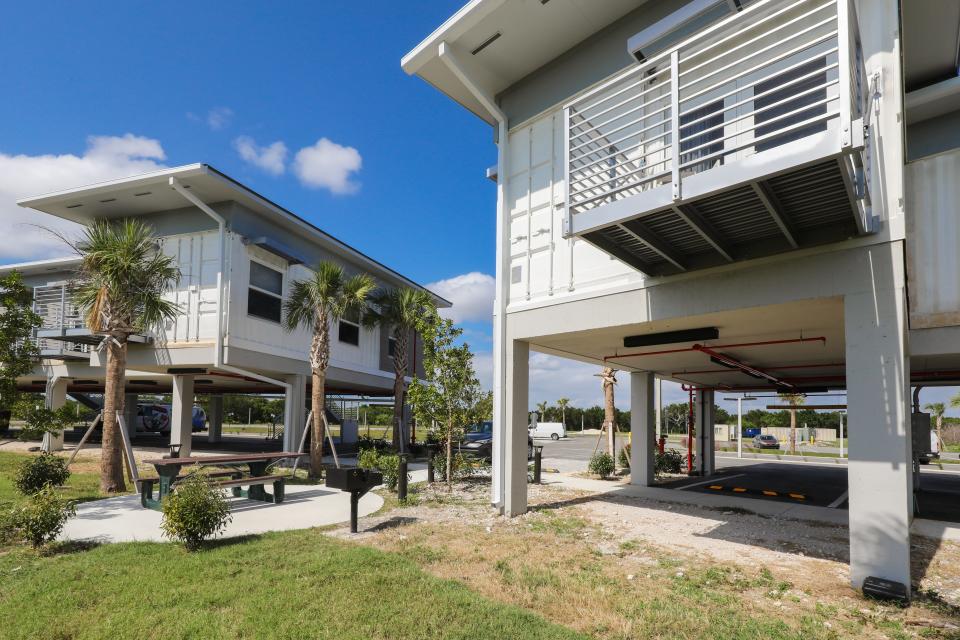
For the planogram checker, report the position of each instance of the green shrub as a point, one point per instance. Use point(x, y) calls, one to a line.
point(601, 464)
point(8, 523)
point(41, 520)
point(387, 464)
point(669, 461)
point(196, 510)
point(45, 470)
point(624, 456)
point(462, 467)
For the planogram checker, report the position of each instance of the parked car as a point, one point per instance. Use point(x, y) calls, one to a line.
point(479, 443)
point(766, 441)
point(482, 431)
point(552, 430)
point(750, 432)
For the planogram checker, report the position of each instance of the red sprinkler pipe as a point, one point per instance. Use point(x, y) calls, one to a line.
point(696, 347)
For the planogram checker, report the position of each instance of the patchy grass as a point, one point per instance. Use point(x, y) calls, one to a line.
point(83, 484)
point(286, 585)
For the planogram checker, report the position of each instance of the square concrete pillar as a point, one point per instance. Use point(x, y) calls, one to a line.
point(642, 428)
point(515, 431)
point(880, 459)
point(181, 415)
point(705, 461)
point(54, 398)
point(294, 412)
point(215, 419)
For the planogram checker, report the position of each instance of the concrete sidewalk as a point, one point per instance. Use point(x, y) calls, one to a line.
point(123, 519)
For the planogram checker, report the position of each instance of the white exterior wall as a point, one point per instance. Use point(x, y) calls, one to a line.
point(249, 332)
point(549, 265)
point(198, 257)
point(933, 236)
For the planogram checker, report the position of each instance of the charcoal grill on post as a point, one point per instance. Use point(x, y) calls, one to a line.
point(357, 482)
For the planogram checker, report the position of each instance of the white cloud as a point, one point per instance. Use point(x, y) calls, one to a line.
point(328, 165)
point(106, 158)
point(219, 118)
point(471, 295)
point(271, 158)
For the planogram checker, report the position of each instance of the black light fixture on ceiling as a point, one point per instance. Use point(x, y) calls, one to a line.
point(672, 337)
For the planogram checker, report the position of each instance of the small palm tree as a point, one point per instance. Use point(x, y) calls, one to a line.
point(608, 377)
point(314, 304)
point(399, 311)
point(542, 411)
point(795, 400)
point(937, 410)
point(563, 403)
point(119, 287)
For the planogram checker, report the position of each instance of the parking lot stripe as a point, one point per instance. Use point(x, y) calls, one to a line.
point(839, 501)
point(698, 484)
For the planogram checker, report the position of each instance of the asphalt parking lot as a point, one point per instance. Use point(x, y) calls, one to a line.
point(817, 483)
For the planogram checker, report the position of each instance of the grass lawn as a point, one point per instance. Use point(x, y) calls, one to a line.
point(289, 585)
point(83, 485)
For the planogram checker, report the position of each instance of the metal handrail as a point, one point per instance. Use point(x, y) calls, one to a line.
point(694, 107)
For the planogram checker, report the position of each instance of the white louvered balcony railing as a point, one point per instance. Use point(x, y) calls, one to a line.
point(749, 133)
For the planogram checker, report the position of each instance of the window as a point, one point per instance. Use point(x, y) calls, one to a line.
point(265, 295)
point(702, 128)
point(803, 83)
point(349, 330)
point(391, 346)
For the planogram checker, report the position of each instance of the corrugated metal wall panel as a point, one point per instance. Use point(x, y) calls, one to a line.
point(933, 240)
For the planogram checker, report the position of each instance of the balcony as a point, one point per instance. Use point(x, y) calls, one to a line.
point(743, 141)
point(62, 334)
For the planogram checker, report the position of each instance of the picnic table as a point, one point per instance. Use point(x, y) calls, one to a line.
point(246, 470)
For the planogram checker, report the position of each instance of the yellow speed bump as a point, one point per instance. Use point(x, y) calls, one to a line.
point(798, 496)
point(717, 487)
point(739, 490)
point(769, 493)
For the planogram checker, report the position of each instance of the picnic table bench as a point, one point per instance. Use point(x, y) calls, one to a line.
point(254, 478)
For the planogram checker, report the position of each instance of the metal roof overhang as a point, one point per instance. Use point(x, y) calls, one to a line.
point(531, 34)
point(151, 193)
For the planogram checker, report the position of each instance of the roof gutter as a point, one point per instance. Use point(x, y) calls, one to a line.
point(218, 359)
point(449, 58)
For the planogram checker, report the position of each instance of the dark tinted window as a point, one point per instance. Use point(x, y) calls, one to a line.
point(349, 333)
point(263, 305)
point(266, 278)
point(802, 82)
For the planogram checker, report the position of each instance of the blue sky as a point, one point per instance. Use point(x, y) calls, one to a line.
point(305, 102)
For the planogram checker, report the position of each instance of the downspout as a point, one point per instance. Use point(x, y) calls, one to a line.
point(218, 362)
point(447, 56)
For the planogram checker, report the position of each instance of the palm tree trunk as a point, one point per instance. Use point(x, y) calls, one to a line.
point(399, 387)
point(318, 430)
point(111, 459)
point(793, 430)
point(609, 413)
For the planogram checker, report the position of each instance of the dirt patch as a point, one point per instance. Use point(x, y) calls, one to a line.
point(616, 567)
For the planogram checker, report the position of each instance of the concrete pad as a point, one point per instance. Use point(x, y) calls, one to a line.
point(123, 519)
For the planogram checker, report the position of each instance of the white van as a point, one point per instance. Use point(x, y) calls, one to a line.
point(552, 430)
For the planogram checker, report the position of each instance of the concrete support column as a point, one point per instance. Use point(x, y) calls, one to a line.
point(515, 431)
point(181, 415)
point(130, 414)
point(705, 461)
point(294, 411)
point(54, 398)
point(878, 406)
point(642, 428)
point(215, 419)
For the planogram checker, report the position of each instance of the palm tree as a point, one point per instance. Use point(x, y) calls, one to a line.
point(795, 400)
point(937, 410)
point(314, 304)
point(120, 285)
point(400, 311)
point(542, 411)
point(563, 403)
point(608, 377)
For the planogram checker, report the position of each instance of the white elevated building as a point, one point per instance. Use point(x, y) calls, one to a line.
point(239, 254)
point(730, 194)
